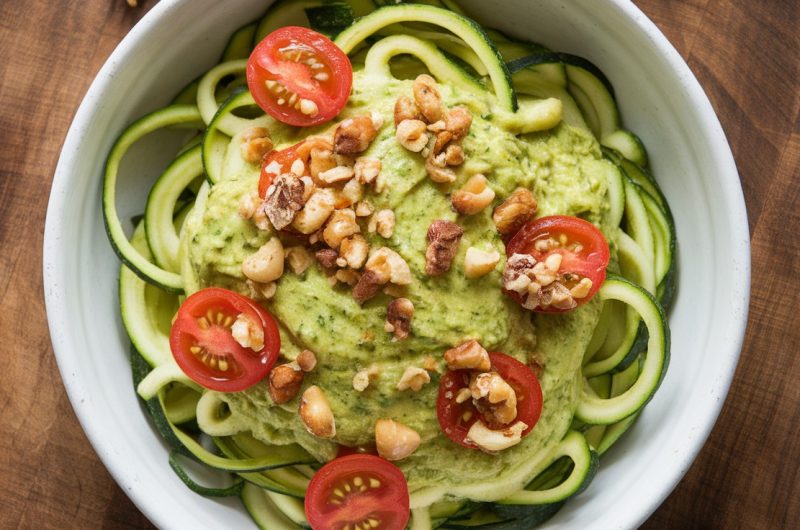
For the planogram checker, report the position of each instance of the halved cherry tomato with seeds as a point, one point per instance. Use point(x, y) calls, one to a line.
point(358, 491)
point(202, 342)
point(582, 246)
point(455, 419)
point(299, 76)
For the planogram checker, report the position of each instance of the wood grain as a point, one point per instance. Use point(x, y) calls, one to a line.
point(746, 56)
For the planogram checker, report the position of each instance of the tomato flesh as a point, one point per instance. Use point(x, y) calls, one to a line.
point(299, 77)
point(455, 419)
point(357, 489)
point(202, 342)
point(583, 248)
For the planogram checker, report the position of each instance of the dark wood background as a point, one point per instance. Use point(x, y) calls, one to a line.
point(745, 53)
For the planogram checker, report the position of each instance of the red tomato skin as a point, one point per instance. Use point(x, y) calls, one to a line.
point(389, 502)
point(246, 367)
point(591, 262)
point(329, 95)
point(521, 378)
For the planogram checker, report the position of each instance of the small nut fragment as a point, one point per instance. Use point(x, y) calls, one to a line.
point(473, 197)
point(354, 135)
point(367, 286)
point(306, 360)
point(299, 259)
point(284, 199)
point(363, 378)
point(398, 316)
point(515, 211)
point(427, 98)
point(364, 209)
point(556, 295)
point(256, 143)
point(412, 135)
point(248, 205)
point(443, 238)
point(491, 440)
point(435, 165)
point(479, 262)
point(284, 382)
point(367, 169)
point(247, 332)
point(336, 174)
point(352, 192)
point(454, 155)
point(354, 250)
point(315, 212)
point(389, 266)
point(519, 273)
point(348, 276)
point(341, 224)
point(414, 378)
point(468, 355)
point(405, 109)
point(266, 264)
point(316, 413)
point(582, 288)
point(458, 120)
point(493, 397)
point(320, 160)
point(383, 223)
point(395, 441)
point(327, 258)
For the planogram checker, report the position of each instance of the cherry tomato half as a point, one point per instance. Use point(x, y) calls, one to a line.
point(299, 76)
point(357, 489)
point(275, 163)
point(455, 419)
point(202, 343)
point(583, 248)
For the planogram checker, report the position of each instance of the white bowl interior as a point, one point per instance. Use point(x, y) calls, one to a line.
point(660, 100)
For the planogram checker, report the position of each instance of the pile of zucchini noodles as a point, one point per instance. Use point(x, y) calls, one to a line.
point(628, 353)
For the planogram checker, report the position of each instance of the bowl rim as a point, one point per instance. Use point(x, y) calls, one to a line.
point(55, 247)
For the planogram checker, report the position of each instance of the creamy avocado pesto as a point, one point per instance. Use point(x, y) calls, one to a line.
point(564, 169)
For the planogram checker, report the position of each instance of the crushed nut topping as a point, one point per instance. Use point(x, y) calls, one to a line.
point(366, 170)
point(414, 378)
point(363, 378)
point(342, 224)
point(493, 397)
point(493, 440)
point(354, 251)
point(369, 284)
point(469, 355)
point(473, 197)
point(284, 382)
point(443, 238)
point(336, 174)
point(395, 441)
point(255, 145)
point(298, 258)
point(437, 169)
point(316, 413)
point(315, 212)
point(412, 134)
point(266, 264)
point(353, 135)
point(352, 192)
point(458, 121)
point(348, 276)
point(364, 209)
point(540, 285)
point(454, 155)
point(382, 222)
point(327, 258)
point(306, 360)
point(398, 317)
point(515, 211)
point(427, 98)
point(405, 109)
point(479, 262)
point(248, 205)
point(284, 199)
point(247, 332)
point(389, 266)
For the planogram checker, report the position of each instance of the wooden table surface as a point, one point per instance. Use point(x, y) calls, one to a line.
point(746, 55)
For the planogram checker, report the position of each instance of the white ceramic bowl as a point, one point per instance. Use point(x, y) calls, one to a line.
point(660, 99)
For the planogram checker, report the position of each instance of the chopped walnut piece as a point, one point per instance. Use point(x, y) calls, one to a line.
point(443, 239)
point(458, 120)
point(351, 193)
point(321, 159)
point(336, 174)
point(353, 135)
point(266, 264)
point(429, 363)
point(412, 134)
point(315, 212)
point(414, 378)
point(479, 262)
point(436, 166)
point(364, 209)
point(247, 332)
point(342, 224)
point(367, 169)
point(390, 266)
point(473, 197)
point(299, 259)
point(284, 382)
point(427, 98)
point(493, 440)
point(468, 355)
point(368, 286)
point(382, 222)
point(515, 211)
point(405, 109)
point(256, 143)
point(327, 258)
point(454, 155)
point(316, 413)
point(394, 440)
point(284, 199)
point(354, 250)
point(398, 317)
point(306, 360)
point(442, 139)
point(363, 378)
point(494, 398)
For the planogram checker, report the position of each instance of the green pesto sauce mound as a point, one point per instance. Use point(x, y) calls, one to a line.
point(560, 166)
